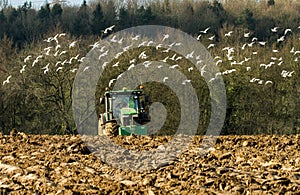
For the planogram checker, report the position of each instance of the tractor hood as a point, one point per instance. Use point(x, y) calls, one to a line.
point(128, 111)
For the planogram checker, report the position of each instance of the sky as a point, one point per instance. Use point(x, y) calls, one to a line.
point(39, 3)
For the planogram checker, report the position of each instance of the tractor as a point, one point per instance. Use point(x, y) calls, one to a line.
point(125, 112)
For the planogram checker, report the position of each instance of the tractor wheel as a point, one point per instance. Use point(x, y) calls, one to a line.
point(101, 127)
point(111, 128)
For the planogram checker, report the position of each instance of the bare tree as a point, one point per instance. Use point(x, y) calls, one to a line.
point(3, 3)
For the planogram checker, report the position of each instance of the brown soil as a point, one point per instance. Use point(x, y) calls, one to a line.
point(44, 164)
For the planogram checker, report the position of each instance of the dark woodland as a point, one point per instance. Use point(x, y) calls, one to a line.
point(40, 102)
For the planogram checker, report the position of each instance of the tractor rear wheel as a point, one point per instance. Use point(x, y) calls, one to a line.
point(101, 127)
point(111, 128)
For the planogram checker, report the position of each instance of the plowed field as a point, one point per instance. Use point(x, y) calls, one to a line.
point(44, 164)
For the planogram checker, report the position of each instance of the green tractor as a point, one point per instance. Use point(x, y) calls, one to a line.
point(125, 113)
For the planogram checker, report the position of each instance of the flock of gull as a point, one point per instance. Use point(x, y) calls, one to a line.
point(226, 57)
point(230, 58)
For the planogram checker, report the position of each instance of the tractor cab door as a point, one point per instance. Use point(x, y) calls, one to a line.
point(119, 101)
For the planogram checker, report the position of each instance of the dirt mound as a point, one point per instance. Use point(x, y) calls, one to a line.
point(236, 165)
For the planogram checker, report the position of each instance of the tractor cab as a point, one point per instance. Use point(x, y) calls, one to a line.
point(127, 108)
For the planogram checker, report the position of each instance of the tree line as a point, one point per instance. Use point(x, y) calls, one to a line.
point(25, 24)
point(39, 102)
